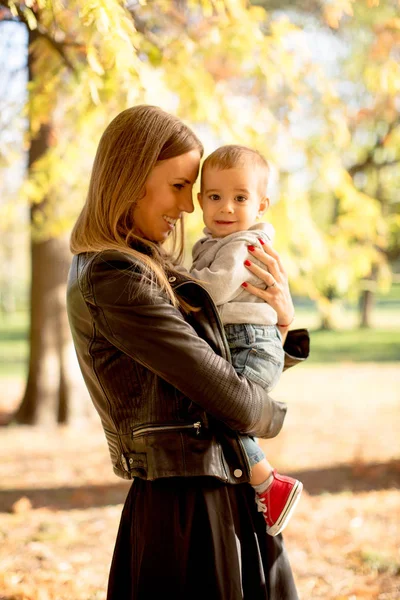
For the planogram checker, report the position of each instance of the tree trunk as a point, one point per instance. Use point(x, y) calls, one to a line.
point(326, 310)
point(367, 298)
point(326, 323)
point(48, 333)
point(366, 305)
point(52, 376)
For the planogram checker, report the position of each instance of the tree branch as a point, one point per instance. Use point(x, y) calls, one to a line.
point(369, 159)
point(369, 162)
point(59, 47)
point(302, 6)
point(141, 26)
point(393, 255)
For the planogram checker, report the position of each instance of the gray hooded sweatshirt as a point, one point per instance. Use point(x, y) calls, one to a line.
point(218, 263)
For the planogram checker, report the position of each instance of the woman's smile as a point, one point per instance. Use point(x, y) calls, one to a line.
point(171, 222)
point(168, 195)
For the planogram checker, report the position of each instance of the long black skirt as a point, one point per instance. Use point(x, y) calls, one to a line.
point(196, 538)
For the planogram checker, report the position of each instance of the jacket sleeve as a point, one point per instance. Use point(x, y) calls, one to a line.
point(296, 347)
point(146, 326)
point(224, 277)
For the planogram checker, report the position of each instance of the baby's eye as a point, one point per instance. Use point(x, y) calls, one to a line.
point(214, 197)
point(178, 186)
point(241, 198)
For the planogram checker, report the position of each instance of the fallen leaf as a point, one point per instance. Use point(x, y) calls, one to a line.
point(21, 506)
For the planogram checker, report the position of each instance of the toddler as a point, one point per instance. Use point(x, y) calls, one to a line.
point(233, 196)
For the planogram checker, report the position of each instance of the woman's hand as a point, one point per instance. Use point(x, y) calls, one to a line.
point(276, 291)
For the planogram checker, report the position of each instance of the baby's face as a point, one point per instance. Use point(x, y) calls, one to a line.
point(231, 200)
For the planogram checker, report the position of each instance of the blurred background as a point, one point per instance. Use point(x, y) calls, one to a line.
point(314, 85)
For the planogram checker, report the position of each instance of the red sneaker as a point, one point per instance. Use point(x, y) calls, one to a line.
point(278, 502)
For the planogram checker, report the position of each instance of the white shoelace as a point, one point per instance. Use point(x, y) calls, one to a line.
point(261, 507)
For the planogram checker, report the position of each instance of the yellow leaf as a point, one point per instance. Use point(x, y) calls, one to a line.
point(94, 93)
point(93, 61)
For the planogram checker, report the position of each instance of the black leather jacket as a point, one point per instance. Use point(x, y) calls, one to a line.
point(169, 400)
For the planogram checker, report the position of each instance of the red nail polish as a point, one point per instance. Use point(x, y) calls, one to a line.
point(262, 242)
point(247, 263)
point(251, 248)
point(244, 284)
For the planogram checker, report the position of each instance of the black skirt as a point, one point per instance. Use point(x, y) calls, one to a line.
point(196, 538)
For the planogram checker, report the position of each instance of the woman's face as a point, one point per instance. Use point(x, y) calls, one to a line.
point(168, 195)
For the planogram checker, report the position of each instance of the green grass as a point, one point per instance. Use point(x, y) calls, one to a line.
point(355, 345)
point(380, 344)
point(13, 345)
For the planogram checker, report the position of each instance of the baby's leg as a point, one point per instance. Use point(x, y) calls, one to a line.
point(276, 495)
point(261, 469)
point(256, 352)
point(260, 472)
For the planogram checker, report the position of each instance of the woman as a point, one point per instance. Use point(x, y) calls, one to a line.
point(155, 360)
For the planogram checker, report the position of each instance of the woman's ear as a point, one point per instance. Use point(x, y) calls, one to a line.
point(200, 199)
point(264, 205)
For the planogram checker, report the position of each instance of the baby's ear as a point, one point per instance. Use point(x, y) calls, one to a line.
point(264, 205)
point(200, 199)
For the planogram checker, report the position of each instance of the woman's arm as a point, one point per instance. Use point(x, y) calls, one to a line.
point(277, 292)
point(143, 324)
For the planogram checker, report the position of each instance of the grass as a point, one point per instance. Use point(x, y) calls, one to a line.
point(13, 345)
point(366, 345)
point(379, 344)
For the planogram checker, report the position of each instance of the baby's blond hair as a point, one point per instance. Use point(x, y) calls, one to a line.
point(235, 156)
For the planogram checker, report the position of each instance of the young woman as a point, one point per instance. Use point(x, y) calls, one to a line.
point(156, 362)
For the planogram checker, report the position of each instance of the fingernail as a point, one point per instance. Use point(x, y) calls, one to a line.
point(262, 242)
point(251, 248)
point(247, 263)
point(244, 284)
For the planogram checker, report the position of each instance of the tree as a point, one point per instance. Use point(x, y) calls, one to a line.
point(351, 205)
point(89, 60)
point(13, 226)
point(235, 71)
point(376, 131)
point(56, 67)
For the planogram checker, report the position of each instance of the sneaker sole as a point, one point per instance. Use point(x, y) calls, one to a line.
point(287, 512)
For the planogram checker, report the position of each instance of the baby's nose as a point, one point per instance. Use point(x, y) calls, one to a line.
point(228, 207)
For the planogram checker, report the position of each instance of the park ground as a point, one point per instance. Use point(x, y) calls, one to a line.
point(60, 502)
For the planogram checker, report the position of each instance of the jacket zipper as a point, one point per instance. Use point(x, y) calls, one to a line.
point(223, 463)
point(142, 430)
point(227, 355)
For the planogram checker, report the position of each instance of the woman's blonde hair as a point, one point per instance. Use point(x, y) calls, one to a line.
point(129, 149)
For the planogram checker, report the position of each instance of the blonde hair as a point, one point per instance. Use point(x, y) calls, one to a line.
point(234, 156)
point(133, 143)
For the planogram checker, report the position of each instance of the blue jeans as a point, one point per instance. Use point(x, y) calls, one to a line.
point(257, 353)
point(253, 450)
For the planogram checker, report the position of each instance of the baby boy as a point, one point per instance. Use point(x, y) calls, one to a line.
point(233, 197)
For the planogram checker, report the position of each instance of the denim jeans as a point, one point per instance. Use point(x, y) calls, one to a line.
point(257, 353)
point(253, 450)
